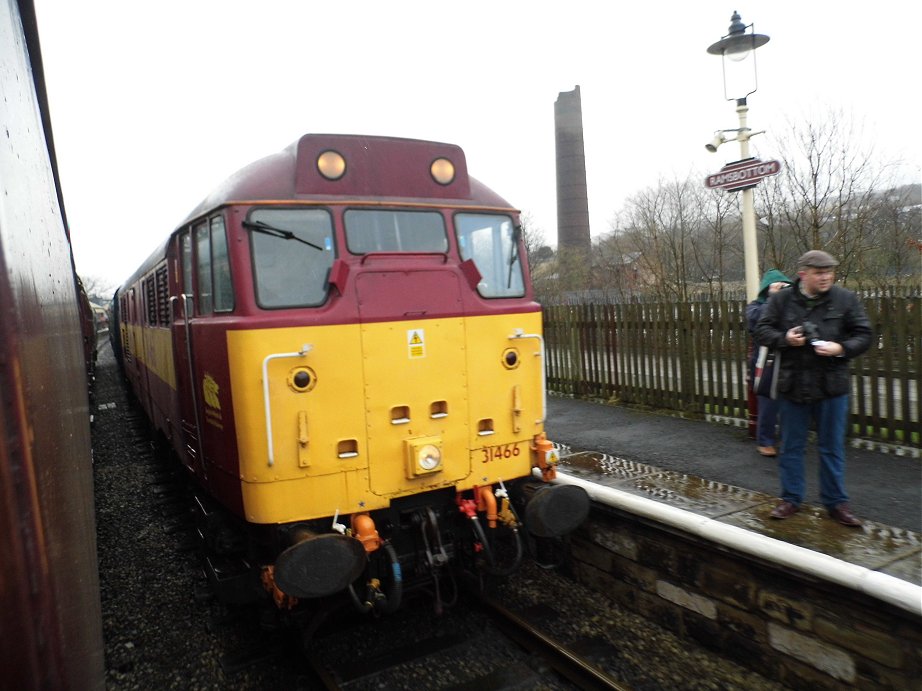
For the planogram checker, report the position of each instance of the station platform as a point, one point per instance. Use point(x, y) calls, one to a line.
point(713, 470)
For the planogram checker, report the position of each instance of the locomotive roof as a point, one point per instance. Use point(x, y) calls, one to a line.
point(381, 167)
point(155, 258)
point(291, 174)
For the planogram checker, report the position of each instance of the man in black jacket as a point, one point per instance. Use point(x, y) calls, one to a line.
point(817, 328)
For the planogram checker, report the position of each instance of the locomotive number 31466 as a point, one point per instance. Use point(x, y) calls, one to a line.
point(498, 453)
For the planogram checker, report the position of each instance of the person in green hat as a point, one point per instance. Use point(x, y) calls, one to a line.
point(767, 420)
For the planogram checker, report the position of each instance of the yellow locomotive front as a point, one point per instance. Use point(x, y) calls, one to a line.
point(386, 383)
point(347, 417)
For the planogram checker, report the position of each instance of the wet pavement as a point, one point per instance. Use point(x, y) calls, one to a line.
point(713, 469)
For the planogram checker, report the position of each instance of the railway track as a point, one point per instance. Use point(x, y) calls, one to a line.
point(481, 645)
point(163, 629)
point(475, 643)
point(577, 666)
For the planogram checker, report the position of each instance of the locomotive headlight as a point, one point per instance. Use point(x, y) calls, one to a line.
point(331, 165)
point(442, 171)
point(424, 456)
point(430, 458)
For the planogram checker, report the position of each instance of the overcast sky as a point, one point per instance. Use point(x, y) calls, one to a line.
point(153, 104)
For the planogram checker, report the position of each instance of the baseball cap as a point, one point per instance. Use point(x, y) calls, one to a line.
point(817, 259)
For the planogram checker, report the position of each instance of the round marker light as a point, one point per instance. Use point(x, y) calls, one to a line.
point(511, 358)
point(430, 457)
point(442, 171)
point(302, 379)
point(331, 165)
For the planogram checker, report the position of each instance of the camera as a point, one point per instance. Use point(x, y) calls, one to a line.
point(811, 332)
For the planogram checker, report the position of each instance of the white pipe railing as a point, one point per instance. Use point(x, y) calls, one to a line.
point(305, 349)
point(881, 586)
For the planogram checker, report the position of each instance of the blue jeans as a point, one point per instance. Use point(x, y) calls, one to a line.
point(766, 422)
point(831, 415)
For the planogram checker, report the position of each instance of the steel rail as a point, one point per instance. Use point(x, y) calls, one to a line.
point(565, 662)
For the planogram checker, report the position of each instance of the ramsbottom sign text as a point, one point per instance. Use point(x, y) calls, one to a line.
point(742, 174)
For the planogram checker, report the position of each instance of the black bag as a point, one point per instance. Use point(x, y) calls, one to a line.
point(765, 377)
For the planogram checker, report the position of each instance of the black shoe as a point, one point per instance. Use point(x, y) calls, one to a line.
point(843, 514)
point(784, 510)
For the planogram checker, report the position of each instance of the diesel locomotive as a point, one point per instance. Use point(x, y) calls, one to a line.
point(341, 346)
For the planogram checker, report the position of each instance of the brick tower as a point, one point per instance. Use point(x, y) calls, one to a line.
point(572, 197)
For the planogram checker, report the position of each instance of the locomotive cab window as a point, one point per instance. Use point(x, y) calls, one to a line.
point(186, 250)
point(292, 255)
point(220, 267)
point(215, 291)
point(203, 253)
point(492, 242)
point(378, 230)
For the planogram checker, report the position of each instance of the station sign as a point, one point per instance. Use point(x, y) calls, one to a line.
point(742, 174)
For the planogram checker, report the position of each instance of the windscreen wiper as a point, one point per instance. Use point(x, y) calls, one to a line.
point(261, 227)
point(516, 234)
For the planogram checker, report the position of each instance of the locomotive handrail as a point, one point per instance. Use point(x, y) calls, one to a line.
point(186, 300)
point(519, 333)
point(305, 349)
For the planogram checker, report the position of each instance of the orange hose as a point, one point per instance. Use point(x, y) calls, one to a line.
point(486, 501)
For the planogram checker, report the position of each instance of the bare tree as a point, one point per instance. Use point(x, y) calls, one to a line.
point(718, 246)
point(824, 196)
point(98, 289)
point(666, 232)
point(616, 265)
point(778, 248)
point(542, 260)
point(895, 224)
point(536, 249)
point(834, 193)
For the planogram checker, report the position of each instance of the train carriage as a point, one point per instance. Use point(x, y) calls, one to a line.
point(342, 346)
point(51, 632)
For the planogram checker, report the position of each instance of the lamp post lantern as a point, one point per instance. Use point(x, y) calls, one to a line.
point(738, 47)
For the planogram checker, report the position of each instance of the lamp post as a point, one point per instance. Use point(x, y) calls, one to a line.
point(738, 47)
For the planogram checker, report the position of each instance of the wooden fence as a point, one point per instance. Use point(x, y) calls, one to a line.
point(691, 357)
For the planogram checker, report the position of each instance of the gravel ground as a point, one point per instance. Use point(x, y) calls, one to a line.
point(160, 633)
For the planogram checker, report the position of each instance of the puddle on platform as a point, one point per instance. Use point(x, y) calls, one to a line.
point(874, 546)
point(600, 464)
point(694, 494)
point(688, 492)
